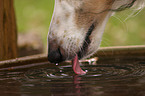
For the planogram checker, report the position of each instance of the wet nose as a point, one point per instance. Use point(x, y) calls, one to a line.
point(55, 53)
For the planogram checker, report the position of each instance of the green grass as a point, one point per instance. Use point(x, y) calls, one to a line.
point(130, 32)
point(35, 16)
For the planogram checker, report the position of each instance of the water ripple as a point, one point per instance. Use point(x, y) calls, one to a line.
point(97, 72)
point(121, 77)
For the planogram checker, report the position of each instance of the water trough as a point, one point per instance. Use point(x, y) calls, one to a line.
point(41, 59)
point(119, 71)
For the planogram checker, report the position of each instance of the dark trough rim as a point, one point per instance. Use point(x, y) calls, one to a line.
point(138, 50)
point(41, 59)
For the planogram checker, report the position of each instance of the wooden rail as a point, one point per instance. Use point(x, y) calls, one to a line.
point(37, 60)
point(121, 51)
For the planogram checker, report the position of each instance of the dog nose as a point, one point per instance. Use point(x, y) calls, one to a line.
point(55, 53)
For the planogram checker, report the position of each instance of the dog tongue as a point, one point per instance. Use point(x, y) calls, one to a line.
point(76, 66)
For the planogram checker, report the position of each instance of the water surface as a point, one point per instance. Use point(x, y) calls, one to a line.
point(111, 76)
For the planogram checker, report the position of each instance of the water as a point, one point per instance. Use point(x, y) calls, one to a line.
point(111, 76)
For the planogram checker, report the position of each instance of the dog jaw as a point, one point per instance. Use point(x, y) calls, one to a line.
point(71, 23)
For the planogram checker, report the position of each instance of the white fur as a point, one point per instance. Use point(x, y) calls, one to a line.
point(67, 31)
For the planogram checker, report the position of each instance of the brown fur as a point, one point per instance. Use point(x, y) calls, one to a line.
point(90, 12)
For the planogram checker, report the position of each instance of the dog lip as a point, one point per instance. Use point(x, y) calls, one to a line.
point(87, 41)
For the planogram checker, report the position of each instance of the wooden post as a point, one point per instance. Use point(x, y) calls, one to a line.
point(8, 34)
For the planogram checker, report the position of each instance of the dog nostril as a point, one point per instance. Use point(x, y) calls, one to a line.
point(55, 56)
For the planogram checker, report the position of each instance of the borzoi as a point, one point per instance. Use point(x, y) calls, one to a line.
point(77, 27)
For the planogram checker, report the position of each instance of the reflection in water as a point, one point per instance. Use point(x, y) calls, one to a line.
point(110, 77)
point(76, 82)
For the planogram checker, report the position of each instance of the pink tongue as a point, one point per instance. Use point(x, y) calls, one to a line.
point(76, 66)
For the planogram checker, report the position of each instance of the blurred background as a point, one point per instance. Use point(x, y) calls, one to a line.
point(124, 28)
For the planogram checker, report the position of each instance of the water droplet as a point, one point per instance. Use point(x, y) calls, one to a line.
point(86, 70)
